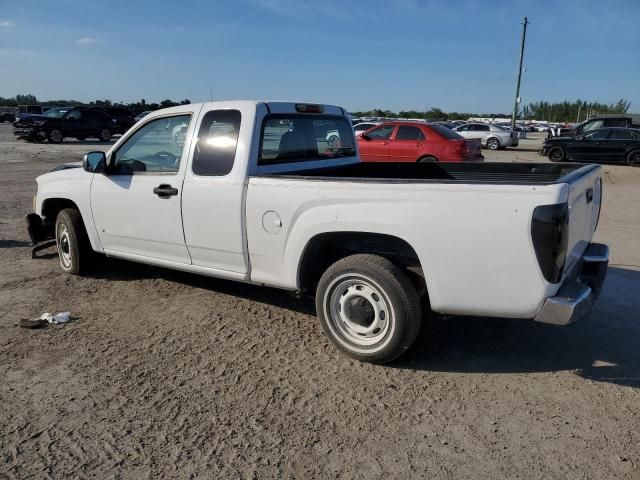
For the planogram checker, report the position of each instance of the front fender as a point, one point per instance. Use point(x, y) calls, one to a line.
point(72, 184)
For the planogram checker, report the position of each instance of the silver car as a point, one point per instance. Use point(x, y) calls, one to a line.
point(492, 137)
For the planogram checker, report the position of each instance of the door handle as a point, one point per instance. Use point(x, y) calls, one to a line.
point(165, 190)
point(589, 195)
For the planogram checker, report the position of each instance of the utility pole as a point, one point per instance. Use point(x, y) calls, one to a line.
point(579, 108)
point(517, 99)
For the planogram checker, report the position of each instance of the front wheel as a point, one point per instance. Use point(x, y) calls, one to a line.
point(55, 136)
point(368, 307)
point(633, 159)
point(74, 249)
point(105, 135)
point(556, 154)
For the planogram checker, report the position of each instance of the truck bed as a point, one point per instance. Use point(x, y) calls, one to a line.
point(470, 173)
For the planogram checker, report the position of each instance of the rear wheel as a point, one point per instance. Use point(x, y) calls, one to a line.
point(74, 249)
point(493, 143)
point(369, 308)
point(55, 136)
point(556, 154)
point(633, 159)
point(427, 159)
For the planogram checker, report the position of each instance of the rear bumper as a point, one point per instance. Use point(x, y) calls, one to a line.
point(574, 301)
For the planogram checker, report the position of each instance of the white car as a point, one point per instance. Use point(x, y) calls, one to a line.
point(360, 128)
point(252, 198)
point(333, 136)
point(492, 137)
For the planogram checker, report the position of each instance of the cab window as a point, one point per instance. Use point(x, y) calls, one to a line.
point(216, 143)
point(154, 148)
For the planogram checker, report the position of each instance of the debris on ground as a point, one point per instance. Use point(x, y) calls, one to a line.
point(46, 319)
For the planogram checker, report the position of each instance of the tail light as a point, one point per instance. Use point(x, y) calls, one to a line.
point(550, 234)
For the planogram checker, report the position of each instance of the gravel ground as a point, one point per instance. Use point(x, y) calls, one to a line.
point(163, 374)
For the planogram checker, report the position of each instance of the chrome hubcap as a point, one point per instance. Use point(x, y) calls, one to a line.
point(358, 312)
point(493, 144)
point(64, 246)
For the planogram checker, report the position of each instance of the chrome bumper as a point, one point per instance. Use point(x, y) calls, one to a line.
point(575, 298)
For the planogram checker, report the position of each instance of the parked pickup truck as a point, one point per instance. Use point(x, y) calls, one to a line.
point(256, 194)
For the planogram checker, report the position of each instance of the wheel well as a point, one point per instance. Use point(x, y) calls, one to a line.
point(52, 206)
point(325, 249)
point(425, 157)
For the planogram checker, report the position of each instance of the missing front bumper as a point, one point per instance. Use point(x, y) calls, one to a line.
point(574, 301)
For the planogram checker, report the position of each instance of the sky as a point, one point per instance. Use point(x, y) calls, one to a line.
point(458, 55)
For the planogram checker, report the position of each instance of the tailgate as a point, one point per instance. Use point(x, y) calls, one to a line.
point(585, 197)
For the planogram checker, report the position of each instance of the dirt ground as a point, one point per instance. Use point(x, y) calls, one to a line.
point(164, 374)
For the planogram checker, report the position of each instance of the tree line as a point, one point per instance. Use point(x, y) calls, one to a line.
point(134, 107)
point(566, 111)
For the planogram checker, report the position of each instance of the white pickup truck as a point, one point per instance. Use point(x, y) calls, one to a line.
point(255, 193)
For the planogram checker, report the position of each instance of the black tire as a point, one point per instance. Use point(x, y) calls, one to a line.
point(428, 159)
point(493, 143)
point(363, 292)
point(72, 242)
point(556, 154)
point(55, 136)
point(104, 135)
point(633, 159)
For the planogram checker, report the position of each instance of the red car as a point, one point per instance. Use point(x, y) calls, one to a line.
point(416, 142)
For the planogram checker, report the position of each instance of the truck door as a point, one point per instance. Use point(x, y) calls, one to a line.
point(213, 190)
point(136, 204)
point(375, 146)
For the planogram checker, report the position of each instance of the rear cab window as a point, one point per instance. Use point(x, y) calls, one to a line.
point(292, 138)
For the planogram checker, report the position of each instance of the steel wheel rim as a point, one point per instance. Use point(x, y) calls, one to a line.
point(634, 159)
point(63, 242)
point(359, 313)
point(492, 144)
point(105, 134)
point(56, 136)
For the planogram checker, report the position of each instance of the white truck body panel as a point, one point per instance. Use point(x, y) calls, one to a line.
point(473, 241)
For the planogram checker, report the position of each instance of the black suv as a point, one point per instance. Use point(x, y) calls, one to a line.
point(611, 120)
point(58, 123)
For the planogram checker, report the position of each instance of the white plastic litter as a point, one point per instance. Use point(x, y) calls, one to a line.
point(62, 317)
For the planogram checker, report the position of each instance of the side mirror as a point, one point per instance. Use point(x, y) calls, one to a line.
point(94, 162)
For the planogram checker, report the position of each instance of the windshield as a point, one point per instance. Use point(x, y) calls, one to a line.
point(55, 112)
point(302, 138)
